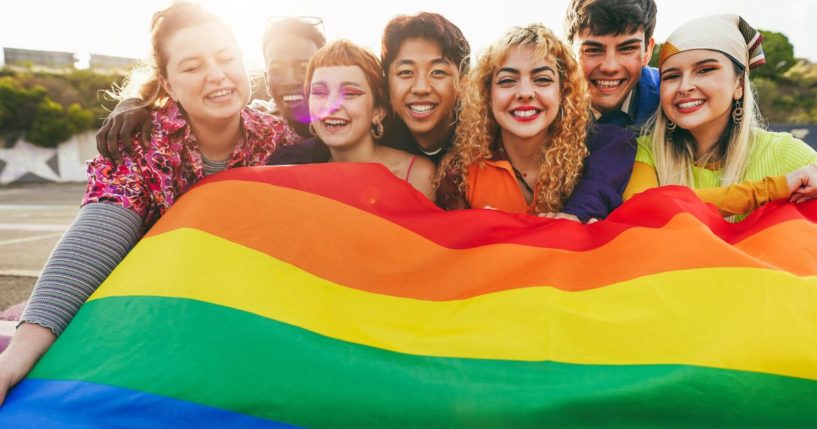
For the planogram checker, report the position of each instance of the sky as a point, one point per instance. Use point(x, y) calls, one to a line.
point(120, 27)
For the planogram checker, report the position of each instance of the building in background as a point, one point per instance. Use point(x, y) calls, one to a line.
point(110, 64)
point(50, 60)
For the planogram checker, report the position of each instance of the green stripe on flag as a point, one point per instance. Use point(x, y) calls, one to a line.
point(238, 361)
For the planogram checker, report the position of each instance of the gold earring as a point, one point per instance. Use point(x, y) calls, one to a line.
point(377, 130)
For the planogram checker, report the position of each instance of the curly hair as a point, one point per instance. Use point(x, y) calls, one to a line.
point(562, 154)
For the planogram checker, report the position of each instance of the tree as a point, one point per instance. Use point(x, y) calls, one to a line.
point(655, 53)
point(779, 56)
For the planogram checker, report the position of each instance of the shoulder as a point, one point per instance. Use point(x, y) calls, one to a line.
point(644, 151)
point(650, 75)
point(422, 166)
point(608, 135)
point(791, 152)
point(268, 126)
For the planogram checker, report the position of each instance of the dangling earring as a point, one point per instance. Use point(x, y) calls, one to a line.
point(671, 126)
point(737, 112)
point(377, 130)
point(312, 129)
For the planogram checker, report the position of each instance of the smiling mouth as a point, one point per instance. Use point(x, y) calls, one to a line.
point(608, 84)
point(292, 98)
point(219, 94)
point(334, 124)
point(690, 104)
point(525, 114)
point(421, 110)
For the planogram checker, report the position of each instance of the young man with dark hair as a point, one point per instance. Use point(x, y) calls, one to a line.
point(288, 45)
point(614, 43)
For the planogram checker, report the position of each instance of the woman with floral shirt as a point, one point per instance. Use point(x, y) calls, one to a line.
point(198, 92)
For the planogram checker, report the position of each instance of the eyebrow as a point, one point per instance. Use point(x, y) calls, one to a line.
point(348, 83)
point(410, 62)
point(534, 71)
point(198, 57)
point(696, 64)
point(508, 70)
point(624, 43)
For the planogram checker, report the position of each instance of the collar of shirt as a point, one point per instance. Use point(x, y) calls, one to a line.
point(172, 121)
point(627, 106)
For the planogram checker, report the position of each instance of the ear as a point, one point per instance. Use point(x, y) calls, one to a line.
point(167, 87)
point(648, 52)
point(379, 114)
point(739, 89)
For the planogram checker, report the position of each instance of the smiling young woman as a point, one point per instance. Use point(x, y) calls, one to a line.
point(347, 104)
point(525, 134)
point(707, 133)
point(198, 90)
point(424, 57)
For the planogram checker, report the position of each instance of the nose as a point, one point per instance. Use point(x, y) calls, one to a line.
point(291, 76)
point(525, 91)
point(609, 64)
point(420, 85)
point(215, 73)
point(687, 84)
point(332, 104)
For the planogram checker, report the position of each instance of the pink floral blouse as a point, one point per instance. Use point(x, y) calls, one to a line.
point(149, 181)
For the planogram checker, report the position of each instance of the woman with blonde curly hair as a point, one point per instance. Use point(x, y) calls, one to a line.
point(526, 143)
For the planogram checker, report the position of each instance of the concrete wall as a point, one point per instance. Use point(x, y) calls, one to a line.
point(21, 161)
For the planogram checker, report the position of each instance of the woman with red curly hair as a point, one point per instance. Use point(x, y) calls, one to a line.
point(525, 142)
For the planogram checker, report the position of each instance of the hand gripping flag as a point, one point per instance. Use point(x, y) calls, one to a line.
point(336, 296)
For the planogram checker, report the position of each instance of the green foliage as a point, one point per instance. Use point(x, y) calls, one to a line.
point(779, 55)
point(655, 52)
point(51, 107)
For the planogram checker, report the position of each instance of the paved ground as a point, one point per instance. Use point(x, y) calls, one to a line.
point(32, 219)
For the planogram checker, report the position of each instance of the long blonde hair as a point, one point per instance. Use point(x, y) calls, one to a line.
point(674, 152)
point(562, 155)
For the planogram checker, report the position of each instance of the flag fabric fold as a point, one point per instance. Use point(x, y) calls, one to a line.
point(337, 296)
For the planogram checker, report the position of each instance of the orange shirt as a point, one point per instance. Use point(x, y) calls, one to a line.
point(494, 184)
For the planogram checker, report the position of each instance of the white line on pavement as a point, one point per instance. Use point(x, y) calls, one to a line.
point(37, 207)
point(27, 239)
point(20, 273)
point(33, 227)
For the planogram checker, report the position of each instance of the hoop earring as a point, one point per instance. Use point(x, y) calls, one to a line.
point(737, 112)
point(312, 130)
point(377, 130)
point(671, 126)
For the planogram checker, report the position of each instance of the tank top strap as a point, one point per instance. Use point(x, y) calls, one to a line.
point(408, 170)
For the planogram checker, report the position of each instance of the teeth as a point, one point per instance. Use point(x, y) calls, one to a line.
point(690, 104)
point(335, 122)
point(293, 97)
point(421, 108)
point(609, 83)
point(220, 93)
point(524, 113)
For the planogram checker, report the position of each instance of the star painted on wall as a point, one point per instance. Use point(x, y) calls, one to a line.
point(25, 158)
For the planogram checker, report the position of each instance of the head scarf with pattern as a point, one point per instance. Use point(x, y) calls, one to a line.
point(728, 34)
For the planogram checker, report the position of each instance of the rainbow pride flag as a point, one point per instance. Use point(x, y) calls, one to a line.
point(336, 296)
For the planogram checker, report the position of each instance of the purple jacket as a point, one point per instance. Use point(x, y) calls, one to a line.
point(606, 172)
